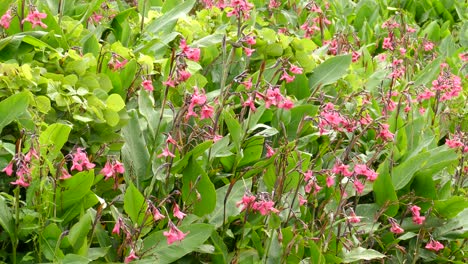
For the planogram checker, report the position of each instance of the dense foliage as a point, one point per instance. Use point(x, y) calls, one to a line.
point(233, 131)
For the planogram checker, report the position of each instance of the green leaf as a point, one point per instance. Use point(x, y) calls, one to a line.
point(13, 107)
point(197, 189)
point(231, 197)
point(194, 153)
point(6, 218)
point(75, 259)
point(234, 127)
point(403, 173)
point(329, 71)
point(79, 231)
point(54, 137)
point(360, 253)
point(208, 41)
point(134, 152)
point(42, 103)
point(159, 250)
point(429, 72)
point(134, 204)
point(115, 102)
point(384, 191)
point(73, 190)
point(451, 207)
point(166, 23)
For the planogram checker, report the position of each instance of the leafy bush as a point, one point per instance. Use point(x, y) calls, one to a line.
point(233, 131)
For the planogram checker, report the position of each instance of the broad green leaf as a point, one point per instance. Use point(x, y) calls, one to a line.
point(231, 197)
point(403, 173)
point(75, 259)
point(384, 191)
point(197, 189)
point(42, 103)
point(234, 127)
point(194, 153)
point(134, 152)
point(360, 253)
point(159, 250)
point(73, 190)
point(13, 107)
point(115, 102)
point(208, 41)
point(165, 23)
point(54, 137)
point(451, 207)
point(6, 218)
point(48, 242)
point(79, 231)
point(329, 71)
point(134, 204)
point(429, 72)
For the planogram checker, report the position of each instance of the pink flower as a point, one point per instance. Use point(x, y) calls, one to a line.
point(264, 207)
point(286, 104)
point(80, 161)
point(387, 44)
point(274, 4)
point(117, 226)
point(415, 210)
point(170, 140)
point(353, 218)
point(419, 220)
point(166, 153)
point(118, 167)
point(250, 103)
point(250, 40)
point(302, 200)
point(206, 112)
point(193, 54)
point(396, 228)
point(174, 234)
point(35, 18)
point(5, 20)
point(382, 57)
point(131, 257)
point(157, 214)
point(8, 169)
point(96, 18)
point(246, 202)
point(384, 133)
point(247, 84)
point(295, 69)
point(288, 78)
point(183, 75)
point(177, 213)
point(428, 46)
point(248, 51)
point(330, 181)
point(355, 56)
point(115, 64)
point(339, 168)
point(358, 186)
point(64, 174)
point(148, 85)
point(434, 245)
point(20, 182)
point(169, 82)
point(402, 51)
point(270, 151)
point(108, 170)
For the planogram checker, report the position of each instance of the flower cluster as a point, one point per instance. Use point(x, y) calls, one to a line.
point(112, 169)
point(35, 18)
point(417, 218)
point(80, 161)
point(330, 118)
point(263, 205)
point(313, 24)
point(174, 234)
point(23, 167)
point(458, 141)
point(5, 20)
point(239, 8)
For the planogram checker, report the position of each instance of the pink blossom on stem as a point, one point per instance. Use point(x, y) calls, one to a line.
point(108, 170)
point(118, 225)
point(20, 182)
point(384, 133)
point(428, 46)
point(118, 167)
point(35, 18)
point(396, 228)
point(169, 82)
point(355, 56)
point(353, 218)
point(183, 75)
point(264, 207)
point(177, 213)
point(288, 78)
point(131, 257)
point(5, 20)
point(8, 169)
point(246, 202)
point(434, 245)
point(174, 234)
point(64, 174)
point(148, 85)
point(206, 112)
point(157, 214)
point(250, 40)
point(269, 151)
point(358, 186)
point(166, 153)
point(81, 161)
point(248, 51)
point(302, 200)
point(295, 69)
point(330, 181)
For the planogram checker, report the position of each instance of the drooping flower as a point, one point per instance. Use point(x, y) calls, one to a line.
point(270, 151)
point(206, 112)
point(302, 200)
point(148, 85)
point(20, 182)
point(118, 167)
point(288, 78)
point(246, 202)
point(177, 213)
point(353, 218)
point(157, 214)
point(248, 51)
point(64, 174)
point(417, 218)
point(8, 169)
point(131, 257)
point(434, 245)
point(330, 181)
point(5, 20)
point(166, 153)
point(264, 207)
point(35, 18)
point(295, 69)
point(108, 170)
point(81, 161)
point(358, 186)
point(384, 133)
point(118, 225)
point(396, 228)
point(174, 234)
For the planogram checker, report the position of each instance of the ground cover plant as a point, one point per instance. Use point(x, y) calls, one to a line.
point(233, 131)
